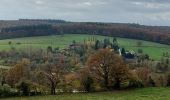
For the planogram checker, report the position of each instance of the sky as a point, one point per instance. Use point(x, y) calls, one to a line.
point(146, 12)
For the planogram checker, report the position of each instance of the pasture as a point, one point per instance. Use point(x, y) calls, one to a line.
point(155, 50)
point(138, 94)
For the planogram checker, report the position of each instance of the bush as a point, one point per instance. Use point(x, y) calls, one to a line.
point(135, 84)
point(24, 87)
point(151, 82)
point(87, 83)
point(18, 43)
point(140, 51)
point(6, 91)
point(133, 81)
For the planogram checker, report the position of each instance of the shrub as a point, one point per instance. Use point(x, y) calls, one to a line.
point(140, 51)
point(135, 84)
point(87, 82)
point(6, 91)
point(143, 74)
point(151, 82)
point(24, 87)
point(18, 43)
point(133, 81)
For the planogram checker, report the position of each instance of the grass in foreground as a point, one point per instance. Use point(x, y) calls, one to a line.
point(155, 50)
point(138, 94)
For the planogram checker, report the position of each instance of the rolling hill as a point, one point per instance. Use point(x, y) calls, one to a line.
point(37, 27)
point(155, 50)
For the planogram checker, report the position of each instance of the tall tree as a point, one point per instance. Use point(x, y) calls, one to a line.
point(106, 42)
point(18, 72)
point(53, 75)
point(97, 45)
point(107, 66)
point(115, 45)
point(2, 76)
point(123, 51)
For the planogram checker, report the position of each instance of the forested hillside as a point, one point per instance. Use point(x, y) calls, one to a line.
point(27, 28)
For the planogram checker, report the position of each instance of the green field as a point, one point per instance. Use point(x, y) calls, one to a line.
point(4, 67)
point(155, 50)
point(139, 94)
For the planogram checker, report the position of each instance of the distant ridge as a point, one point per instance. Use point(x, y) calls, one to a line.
point(44, 27)
point(45, 20)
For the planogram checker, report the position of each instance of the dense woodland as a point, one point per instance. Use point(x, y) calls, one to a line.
point(27, 28)
point(83, 67)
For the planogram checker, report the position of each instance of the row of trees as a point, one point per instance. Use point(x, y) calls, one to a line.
point(155, 34)
point(104, 70)
point(90, 66)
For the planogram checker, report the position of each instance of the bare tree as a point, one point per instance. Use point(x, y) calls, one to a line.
point(53, 75)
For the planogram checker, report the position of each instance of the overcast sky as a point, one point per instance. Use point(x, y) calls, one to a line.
point(148, 12)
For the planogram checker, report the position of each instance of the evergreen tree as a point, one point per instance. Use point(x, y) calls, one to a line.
point(97, 45)
point(123, 51)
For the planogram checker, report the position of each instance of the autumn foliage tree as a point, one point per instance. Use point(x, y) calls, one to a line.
point(53, 74)
point(107, 67)
point(86, 80)
point(2, 77)
point(18, 72)
point(143, 74)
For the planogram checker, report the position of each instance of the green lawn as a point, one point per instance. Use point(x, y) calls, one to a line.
point(4, 67)
point(155, 50)
point(139, 94)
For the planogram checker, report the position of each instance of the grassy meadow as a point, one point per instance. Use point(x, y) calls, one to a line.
point(155, 50)
point(138, 94)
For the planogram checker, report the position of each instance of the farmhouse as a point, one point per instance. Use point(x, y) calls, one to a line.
point(129, 56)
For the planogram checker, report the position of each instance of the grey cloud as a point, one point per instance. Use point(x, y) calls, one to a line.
point(151, 1)
point(150, 12)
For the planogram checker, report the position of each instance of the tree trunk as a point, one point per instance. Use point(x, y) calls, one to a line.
point(53, 88)
point(117, 84)
point(106, 82)
point(3, 81)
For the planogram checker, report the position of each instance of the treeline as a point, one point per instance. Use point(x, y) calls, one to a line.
point(26, 31)
point(117, 30)
point(91, 66)
point(28, 22)
point(49, 27)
